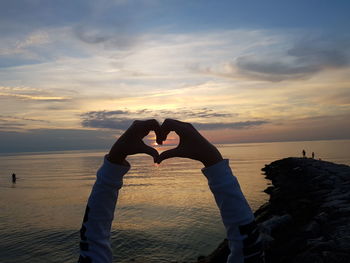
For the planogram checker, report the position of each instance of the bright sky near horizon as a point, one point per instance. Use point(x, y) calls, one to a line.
point(73, 74)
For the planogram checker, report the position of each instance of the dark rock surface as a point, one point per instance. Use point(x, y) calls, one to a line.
point(307, 218)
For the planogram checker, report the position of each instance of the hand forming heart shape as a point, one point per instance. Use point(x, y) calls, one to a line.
point(192, 144)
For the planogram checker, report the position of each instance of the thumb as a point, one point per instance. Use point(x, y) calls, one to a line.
point(169, 154)
point(150, 151)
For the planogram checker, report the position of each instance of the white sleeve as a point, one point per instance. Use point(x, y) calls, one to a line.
point(95, 231)
point(242, 232)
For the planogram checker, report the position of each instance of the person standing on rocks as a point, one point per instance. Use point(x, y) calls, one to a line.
point(304, 153)
point(313, 155)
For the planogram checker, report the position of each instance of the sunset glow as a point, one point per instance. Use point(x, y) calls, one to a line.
point(237, 72)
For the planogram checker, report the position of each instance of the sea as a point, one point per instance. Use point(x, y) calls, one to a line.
point(165, 213)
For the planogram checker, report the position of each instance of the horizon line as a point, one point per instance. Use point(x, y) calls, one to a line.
point(27, 152)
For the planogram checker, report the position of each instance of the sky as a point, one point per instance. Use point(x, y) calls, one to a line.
point(75, 74)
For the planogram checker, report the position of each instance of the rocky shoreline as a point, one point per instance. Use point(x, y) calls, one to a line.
point(307, 219)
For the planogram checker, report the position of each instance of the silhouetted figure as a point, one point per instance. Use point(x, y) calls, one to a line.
point(95, 245)
point(313, 155)
point(304, 153)
point(14, 178)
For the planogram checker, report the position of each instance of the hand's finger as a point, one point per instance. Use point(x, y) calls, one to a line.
point(142, 129)
point(153, 125)
point(169, 154)
point(149, 150)
point(173, 125)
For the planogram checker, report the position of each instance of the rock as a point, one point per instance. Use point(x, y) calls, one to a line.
point(307, 219)
point(219, 255)
point(313, 229)
point(308, 258)
point(275, 222)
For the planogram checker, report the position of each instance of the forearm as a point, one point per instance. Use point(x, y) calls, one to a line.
point(95, 231)
point(237, 216)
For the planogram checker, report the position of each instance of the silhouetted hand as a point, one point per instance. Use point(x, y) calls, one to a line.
point(192, 144)
point(131, 142)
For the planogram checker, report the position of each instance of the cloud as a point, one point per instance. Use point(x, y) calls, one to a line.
point(29, 97)
point(109, 40)
point(184, 114)
point(3, 117)
point(304, 59)
point(13, 123)
point(116, 119)
point(157, 114)
point(36, 47)
point(228, 125)
point(108, 123)
point(202, 113)
point(10, 125)
point(122, 119)
point(103, 114)
point(262, 68)
point(24, 93)
point(34, 39)
point(7, 118)
point(23, 50)
point(287, 58)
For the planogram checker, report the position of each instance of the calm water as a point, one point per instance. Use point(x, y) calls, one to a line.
point(165, 213)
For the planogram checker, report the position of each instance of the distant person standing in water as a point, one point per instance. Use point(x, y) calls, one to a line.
point(304, 153)
point(242, 232)
point(313, 155)
point(14, 178)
